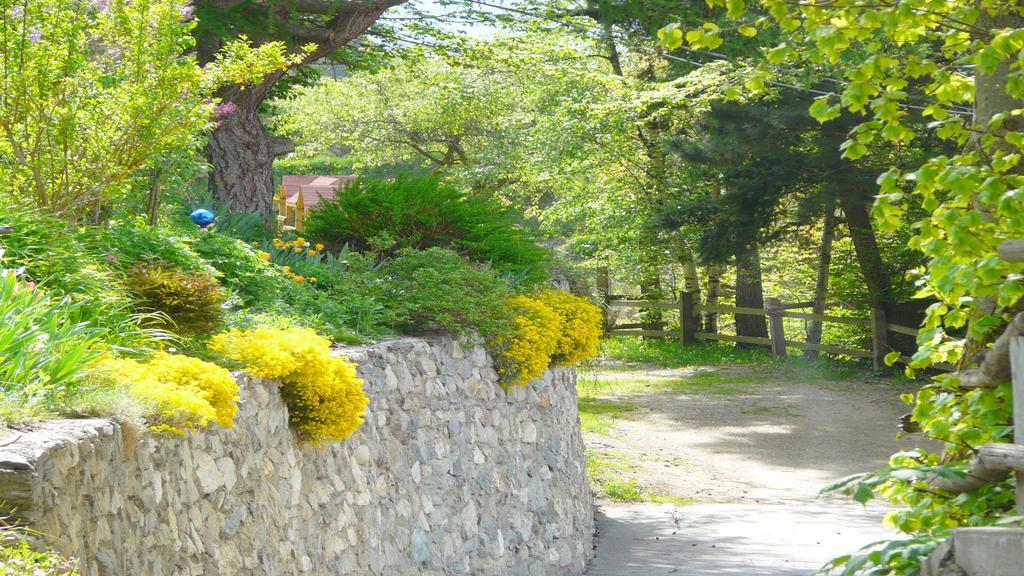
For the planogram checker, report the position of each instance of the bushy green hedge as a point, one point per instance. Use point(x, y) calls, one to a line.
point(438, 290)
point(388, 216)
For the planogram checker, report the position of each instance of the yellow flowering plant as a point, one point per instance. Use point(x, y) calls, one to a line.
point(581, 326)
point(292, 252)
point(325, 397)
point(177, 392)
point(525, 353)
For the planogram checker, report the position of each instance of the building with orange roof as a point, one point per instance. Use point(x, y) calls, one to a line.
point(300, 194)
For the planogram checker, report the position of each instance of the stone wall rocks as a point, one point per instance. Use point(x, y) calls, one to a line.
point(451, 474)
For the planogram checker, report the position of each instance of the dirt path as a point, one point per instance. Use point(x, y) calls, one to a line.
point(744, 456)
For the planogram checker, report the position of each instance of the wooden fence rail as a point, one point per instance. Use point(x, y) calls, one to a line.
point(775, 310)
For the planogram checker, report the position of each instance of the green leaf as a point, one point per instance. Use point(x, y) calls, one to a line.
point(863, 493)
point(855, 150)
point(671, 36)
point(735, 8)
point(822, 111)
point(748, 31)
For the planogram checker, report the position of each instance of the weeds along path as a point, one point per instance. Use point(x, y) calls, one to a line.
point(717, 470)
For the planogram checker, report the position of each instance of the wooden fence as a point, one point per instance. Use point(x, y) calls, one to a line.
point(776, 312)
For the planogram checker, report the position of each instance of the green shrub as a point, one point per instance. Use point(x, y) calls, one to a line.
point(436, 289)
point(322, 165)
point(125, 245)
point(50, 252)
point(76, 263)
point(18, 558)
point(263, 286)
point(352, 282)
point(192, 302)
point(421, 212)
point(44, 349)
point(254, 280)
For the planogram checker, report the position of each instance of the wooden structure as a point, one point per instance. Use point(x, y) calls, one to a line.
point(775, 310)
point(299, 195)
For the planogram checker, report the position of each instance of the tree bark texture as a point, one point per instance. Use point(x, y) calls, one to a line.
point(865, 245)
point(814, 328)
point(990, 99)
point(241, 151)
point(749, 294)
point(714, 287)
point(691, 284)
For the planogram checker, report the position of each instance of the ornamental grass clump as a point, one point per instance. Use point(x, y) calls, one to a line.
point(580, 336)
point(192, 302)
point(176, 392)
point(44, 347)
point(325, 397)
point(525, 353)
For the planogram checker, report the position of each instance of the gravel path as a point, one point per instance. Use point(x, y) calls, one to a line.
point(753, 458)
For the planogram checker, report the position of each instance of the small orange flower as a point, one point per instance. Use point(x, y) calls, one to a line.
point(312, 279)
point(299, 278)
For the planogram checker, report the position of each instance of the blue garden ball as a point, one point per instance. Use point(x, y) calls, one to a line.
point(202, 217)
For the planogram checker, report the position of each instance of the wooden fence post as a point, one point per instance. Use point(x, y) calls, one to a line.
point(879, 337)
point(776, 330)
point(687, 325)
point(1017, 373)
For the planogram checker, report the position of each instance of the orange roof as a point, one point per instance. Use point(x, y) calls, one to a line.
point(313, 188)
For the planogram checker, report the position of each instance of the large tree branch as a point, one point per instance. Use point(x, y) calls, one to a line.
point(310, 33)
point(305, 6)
point(993, 463)
point(279, 146)
point(995, 368)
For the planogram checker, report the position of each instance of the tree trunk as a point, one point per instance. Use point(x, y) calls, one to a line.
point(613, 50)
point(153, 197)
point(691, 284)
point(749, 294)
point(990, 98)
point(865, 245)
point(240, 150)
point(714, 287)
point(814, 328)
point(241, 154)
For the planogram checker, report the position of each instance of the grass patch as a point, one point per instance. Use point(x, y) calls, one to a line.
point(611, 477)
point(594, 390)
point(669, 354)
point(598, 416)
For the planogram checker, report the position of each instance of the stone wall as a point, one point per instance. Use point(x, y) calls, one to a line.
point(451, 474)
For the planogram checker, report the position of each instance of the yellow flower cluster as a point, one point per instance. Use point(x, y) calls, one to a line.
point(581, 326)
point(325, 397)
point(299, 245)
point(177, 392)
point(550, 325)
point(526, 352)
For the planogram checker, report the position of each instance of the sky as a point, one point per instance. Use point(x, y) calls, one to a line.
point(451, 10)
